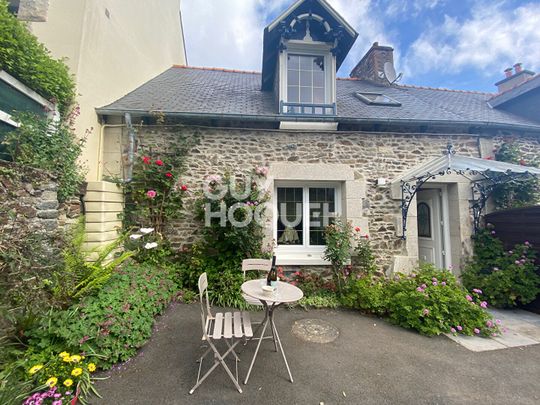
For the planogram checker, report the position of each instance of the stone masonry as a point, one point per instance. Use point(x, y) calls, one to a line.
point(370, 155)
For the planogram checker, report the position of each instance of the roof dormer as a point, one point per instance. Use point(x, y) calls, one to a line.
point(303, 49)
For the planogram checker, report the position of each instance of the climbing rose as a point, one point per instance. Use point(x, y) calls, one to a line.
point(146, 160)
point(184, 187)
point(151, 193)
point(159, 162)
point(357, 228)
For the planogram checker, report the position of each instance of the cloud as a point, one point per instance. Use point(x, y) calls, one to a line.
point(491, 39)
point(229, 33)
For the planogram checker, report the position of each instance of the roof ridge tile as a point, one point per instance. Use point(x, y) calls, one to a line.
point(412, 86)
point(217, 69)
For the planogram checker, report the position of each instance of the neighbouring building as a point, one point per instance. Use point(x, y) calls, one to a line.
point(111, 47)
point(411, 166)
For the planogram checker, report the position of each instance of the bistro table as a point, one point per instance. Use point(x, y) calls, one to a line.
point(284, 293)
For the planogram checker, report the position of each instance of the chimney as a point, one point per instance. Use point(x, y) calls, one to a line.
point(513, 77)
point(371, 66)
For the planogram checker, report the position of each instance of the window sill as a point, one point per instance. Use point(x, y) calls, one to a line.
point(300, 258)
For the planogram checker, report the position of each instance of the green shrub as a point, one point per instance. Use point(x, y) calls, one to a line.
point(338, 249)
point(432, 302)
point(22, 56)
point(507, 278)
point(367, 294)
point(319, 300)
point(116, 321)
point(49, 145)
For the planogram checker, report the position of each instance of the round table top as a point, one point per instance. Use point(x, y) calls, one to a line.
point(284, 292)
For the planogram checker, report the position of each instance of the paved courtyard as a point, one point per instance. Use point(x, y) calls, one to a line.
point(370, 362)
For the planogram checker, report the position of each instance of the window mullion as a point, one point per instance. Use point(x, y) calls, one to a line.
point(306, 216)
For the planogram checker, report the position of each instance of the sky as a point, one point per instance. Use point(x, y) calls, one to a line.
point(456, 44)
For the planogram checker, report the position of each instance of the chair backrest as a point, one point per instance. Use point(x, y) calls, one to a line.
point(205, 303)
point(256, 264)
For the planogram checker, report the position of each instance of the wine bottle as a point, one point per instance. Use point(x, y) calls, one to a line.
point(272, 274)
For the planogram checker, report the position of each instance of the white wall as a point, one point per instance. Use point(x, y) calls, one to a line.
point(112, 47)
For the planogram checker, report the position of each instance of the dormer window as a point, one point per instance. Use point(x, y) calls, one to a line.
point(306, 83)
point(303, 48)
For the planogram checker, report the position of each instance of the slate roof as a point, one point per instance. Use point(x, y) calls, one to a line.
point(229, 93)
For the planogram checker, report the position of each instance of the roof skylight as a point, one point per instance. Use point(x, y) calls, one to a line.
point(372, 98)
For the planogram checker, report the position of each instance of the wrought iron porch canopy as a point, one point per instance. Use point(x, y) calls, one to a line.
point(483, 174)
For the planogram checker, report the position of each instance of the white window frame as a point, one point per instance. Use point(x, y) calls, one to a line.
point(304, 254)
point(296, 47)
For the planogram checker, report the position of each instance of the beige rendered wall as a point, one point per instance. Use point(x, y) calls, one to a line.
point(112, 47)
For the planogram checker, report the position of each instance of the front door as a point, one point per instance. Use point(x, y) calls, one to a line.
point(430, 227)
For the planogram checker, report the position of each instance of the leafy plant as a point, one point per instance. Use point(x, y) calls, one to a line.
point(24, 57)
point(50, 145)
point(80, 276)
point(154, 194)
point(367, 293)
point(116, 321)
point(515, 194)
point(432, 302)
point(319, 300)
point(338, 248)
point(507, 278)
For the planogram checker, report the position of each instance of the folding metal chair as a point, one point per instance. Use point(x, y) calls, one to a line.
point(255, 265)
point(227, 326)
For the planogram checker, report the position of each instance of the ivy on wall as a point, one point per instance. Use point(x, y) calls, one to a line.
point(24, 57)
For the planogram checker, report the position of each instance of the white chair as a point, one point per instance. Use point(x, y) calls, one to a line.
point(260, 265)
point(224, 326)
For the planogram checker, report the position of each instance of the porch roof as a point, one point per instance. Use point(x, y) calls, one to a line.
point(464, 165)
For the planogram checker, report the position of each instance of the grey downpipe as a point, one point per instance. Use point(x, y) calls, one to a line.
point(131, 146)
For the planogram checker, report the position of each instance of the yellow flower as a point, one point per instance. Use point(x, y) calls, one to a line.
point(35, 369)
point(91, 367)
point(68, 382)
point(51, 382)
point(75, 358)
point(64, 355)
point(76, 372)
point(67, 359)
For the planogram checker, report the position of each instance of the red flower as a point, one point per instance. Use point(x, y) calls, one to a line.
point(357, 228)
point(367, 236)
point(168, 174)
point(184, 187)
point(159, 162)
point(146, 160)
point(522, 162)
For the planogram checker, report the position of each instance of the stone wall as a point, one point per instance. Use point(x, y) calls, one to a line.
point(369, 155)
point(28, 201)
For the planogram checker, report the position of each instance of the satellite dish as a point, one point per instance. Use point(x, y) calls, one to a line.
point(390, 73)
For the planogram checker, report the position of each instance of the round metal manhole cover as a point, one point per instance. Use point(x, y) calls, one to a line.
point(315, 330)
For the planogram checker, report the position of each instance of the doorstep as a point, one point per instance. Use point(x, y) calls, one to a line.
point(522, 329)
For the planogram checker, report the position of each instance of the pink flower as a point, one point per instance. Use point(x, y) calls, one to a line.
point(420, 289)
point(498, 321)
point(452, 330)
point(357, 228)
point(527, 243)
point(459, 327)
point(159, 162)
point(434, 279)
point(476, 290)
point(423, 286)
point(151, 194)
point(489, 324)
point(434, 283)
point(469, 298)
point(484, 304)
point(443, 283)
point(476, 330)
point(493, 232)
point(425, 311)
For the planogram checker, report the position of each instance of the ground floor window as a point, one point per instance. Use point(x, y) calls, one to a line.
point(302, 211)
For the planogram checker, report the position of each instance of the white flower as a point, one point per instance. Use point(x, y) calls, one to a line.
point(144, 231)
point(135, 237)
point(150, 245)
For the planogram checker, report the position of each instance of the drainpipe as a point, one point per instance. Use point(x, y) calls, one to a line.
point(131, 146)
point(100, 148)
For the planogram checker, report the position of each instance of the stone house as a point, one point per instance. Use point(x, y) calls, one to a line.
point(369, 149)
